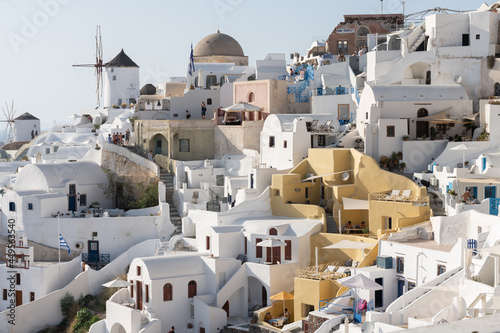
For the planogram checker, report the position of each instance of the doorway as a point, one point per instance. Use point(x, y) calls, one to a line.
point(72, 198)
point(93, 247)
point(379, 294)
point(264, 296)
point(225, 307)
point(19, 297)
point(422, 126)
point(138, 295)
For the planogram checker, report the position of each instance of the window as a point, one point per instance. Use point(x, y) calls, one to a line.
point(30, 206)
point(147, 293)
point(343, 111)
point(276, 193)
point(387, 222)
point(362, 31)
point(307, 192)
point(211, 81)
point(271, 142)
point(83, 200)
point(94, 233)
point(47, 150)
point(184, 145)
point(391, 131)
point(366, 115)
point(285, 144)
point(490, 192)
point(288, 250)
point(132, 288)
point(191, 289)
point(208, 242)
point(112, 70)
point(114, 77)
point(18, 279)
point(251, 97)
point(258, 249)
point(400, 265)
point(138, 271)
point(321, 140)
point(167, 292)
point(5, 294)
point(273, 232)
point(441, 269)
point(12, 206)
point(411, 285)
point(32, 296)
point(342, 46)
point(220, 180)
point(209, 101)
point(465, 40)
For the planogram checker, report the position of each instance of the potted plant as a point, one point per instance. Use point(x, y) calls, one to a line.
point(124, 105)
point(406, 137)
point(402, 166)
point(466, 163)
point(452, 193)
point(384, 160)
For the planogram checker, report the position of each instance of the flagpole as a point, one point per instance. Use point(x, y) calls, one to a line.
point(59, 247)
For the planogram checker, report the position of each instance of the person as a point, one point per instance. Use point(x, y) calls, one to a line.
point(127, 136)
point(360, 51)
point(467, 195)
point(287, 314)
point(268, 317)
point(365, 49)
point(364, 228)
point(188, 115)
point(474, 201)
point(150, 155)
point(203, 110)
point(110, 140)
point(120, 139)
point(347, 227)
point(32, 135)
point(172, 330)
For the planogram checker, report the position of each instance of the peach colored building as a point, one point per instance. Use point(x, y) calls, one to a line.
point(270, 95)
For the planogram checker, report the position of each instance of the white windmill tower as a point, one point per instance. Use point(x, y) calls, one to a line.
point(10, 131)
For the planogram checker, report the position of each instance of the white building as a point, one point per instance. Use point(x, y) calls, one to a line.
point(285, 139)
point(121, 81)
point(26, 127)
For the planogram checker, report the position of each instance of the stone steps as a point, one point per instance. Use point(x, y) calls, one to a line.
point(168, 179)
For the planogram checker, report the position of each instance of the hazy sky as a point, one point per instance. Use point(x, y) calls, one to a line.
point(41, 40)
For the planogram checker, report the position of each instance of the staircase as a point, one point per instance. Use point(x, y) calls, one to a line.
point(331, 225)
point(168, 179)
point(436, 204)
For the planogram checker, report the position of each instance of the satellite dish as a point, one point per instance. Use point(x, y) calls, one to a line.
point(367, 327)
point(345, 176)
point(412, 25)
point(457, 79)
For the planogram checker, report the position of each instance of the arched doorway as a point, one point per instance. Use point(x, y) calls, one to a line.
point(422, 126)
point(257, 293)
point(117, 328)
point(159, 145)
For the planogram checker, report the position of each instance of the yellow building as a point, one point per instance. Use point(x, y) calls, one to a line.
point(383, 200)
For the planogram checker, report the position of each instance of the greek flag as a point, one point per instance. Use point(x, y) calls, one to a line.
point(191, 62)
point(63, 243)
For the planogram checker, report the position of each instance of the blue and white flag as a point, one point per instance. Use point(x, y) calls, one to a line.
point(63, 243)
point(191, 62)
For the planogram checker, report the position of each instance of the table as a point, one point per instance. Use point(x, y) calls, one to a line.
point(278, 321)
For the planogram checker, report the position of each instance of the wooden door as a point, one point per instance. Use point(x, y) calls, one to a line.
point(138, 294)
point(276, 255)
point(19, 297)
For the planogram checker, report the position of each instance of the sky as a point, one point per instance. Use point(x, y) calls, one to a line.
point(40, 40)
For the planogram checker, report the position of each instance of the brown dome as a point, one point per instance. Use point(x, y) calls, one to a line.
point(218, 44)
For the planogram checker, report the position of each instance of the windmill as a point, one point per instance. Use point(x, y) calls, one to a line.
point(98, 65)
point(10, 130)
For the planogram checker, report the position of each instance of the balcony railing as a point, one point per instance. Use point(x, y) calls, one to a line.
point(96, 258)
point(322, 272)
point(386, 196)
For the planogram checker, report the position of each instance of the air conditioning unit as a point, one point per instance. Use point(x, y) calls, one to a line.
point(79, 245)
point(434, 182)
point(384, 262)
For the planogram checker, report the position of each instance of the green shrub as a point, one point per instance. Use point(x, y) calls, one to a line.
point(84, 319)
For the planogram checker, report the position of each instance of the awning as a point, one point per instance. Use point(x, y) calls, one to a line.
point(441, 117)
point(478, 180)
point(355, 204)
point(349, 245)
point(492, 250)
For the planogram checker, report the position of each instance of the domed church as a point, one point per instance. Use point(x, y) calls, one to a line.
point(219, 48)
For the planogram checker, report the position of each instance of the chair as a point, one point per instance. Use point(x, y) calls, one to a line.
point(394, 194)
point(406, 195)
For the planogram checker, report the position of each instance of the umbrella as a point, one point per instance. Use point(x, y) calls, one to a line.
point(282, 296)
point(117, 283)
point(201, 82)
point(463, 147)
point(242, 107)
point(359, 281)
point(271, 243)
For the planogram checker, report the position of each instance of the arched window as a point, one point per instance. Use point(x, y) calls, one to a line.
point(362, 32)
point(422, 113)
point(273, 232)
point(191, 289)
point(497, 89)
point(167, 292)
point(251, 97)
